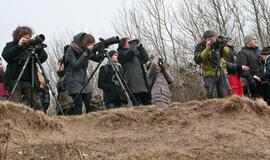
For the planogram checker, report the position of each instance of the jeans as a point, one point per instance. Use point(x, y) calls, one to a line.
point(111, 105)
point(83, 97)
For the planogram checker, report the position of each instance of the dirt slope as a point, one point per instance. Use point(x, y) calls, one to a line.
point(233, 128)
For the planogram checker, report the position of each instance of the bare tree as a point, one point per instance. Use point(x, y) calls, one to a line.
point(172, 29)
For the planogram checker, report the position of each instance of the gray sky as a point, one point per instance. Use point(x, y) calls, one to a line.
point(55, 17)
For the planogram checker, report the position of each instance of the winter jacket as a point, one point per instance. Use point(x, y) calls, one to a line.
point(203, 56)
point(232, 66)
point(160, 84)
point(266, 74)
point(251, 58)
point(76, 65)
point(16, 56)
point(132, 61)
point(108, 82)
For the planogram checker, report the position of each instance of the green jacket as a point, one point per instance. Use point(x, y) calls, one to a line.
point(206, 59)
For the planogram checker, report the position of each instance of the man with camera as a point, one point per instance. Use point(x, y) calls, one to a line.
point(249, 55)
point(132, 57)
point(15, 54)
point(211, 55)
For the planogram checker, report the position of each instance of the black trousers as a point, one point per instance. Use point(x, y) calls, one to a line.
point(266, 93)
point(142, 99)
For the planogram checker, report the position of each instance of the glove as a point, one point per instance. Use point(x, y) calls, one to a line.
point(86, 53)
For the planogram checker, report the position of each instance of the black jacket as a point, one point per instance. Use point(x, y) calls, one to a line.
point(16, 56)
point(232, 66)
point(132, 61)
point(112, 90)
point(251, 58)
point(266, 74)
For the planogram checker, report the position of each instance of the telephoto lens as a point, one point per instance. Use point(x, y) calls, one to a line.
point(36, 40)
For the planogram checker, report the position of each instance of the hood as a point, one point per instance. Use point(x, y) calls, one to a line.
point(78, 37)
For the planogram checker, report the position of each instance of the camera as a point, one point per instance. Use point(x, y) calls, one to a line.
point(110, 41)
point(220, 42)
point(36, 40)
point(105, 43)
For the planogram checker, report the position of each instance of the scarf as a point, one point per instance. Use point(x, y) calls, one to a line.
point(76, 47)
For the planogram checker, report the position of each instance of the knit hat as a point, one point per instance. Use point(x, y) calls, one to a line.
point(209, 34)
point(112, 52)
point(248, 38)
point(265, 51)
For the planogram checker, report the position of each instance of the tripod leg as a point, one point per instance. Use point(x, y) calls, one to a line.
point(224, 78)
point(32, 80)
point(19, 77)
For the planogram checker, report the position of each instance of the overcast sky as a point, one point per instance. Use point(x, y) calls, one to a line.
point(56, 17)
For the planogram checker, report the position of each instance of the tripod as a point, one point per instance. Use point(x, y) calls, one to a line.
point(219, 75)
point(32, 56)
point(119, 77)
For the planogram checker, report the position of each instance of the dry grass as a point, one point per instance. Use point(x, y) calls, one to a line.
point(211, 129)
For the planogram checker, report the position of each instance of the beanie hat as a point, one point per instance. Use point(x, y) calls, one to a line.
point(265, 51)
point(248, 38)
point(112, 52)
point(209, 34)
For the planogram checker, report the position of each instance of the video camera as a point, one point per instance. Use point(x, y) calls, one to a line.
point(105, 43)
point(220, 42)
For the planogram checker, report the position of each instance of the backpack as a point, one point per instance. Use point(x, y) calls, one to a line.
point(198, 49)
point(63, 61)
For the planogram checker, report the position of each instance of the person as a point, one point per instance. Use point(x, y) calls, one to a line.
point(211, 55)
point(44, 92)
point(3, 92)
point(76, 60)
point(132, 57)
point(265, 77)
point(159, 79)
point(234, 70)
point(249, 55)
point(113, 94)
point(15, 54)
point(64, 99)
point(45, 99)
